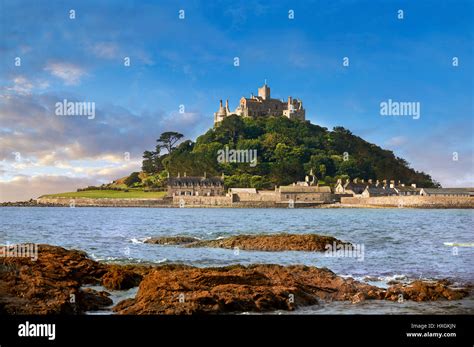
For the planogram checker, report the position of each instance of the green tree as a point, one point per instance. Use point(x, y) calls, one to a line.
point(132, 179)
point(168, 140)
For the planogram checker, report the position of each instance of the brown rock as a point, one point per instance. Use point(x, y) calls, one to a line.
point(188, 290)
point(120, 278)
point(54, 284)
point(93, 300)
point(49, 285)
point(359, 297)
point(273, 242)
point(426, 291)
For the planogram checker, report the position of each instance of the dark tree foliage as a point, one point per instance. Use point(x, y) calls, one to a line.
point(133, 178)
point(287, 150)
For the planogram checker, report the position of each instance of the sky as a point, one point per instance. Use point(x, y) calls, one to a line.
point(52, 51)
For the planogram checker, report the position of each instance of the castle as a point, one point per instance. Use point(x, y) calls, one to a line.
point(262, 106)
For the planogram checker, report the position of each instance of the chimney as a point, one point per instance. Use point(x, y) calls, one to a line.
point(369, 181)
point(413, 185)
point(384, 182)
point(220, 103)
point(354, 180)
point(392, 185)
point(377, 183)
point(362, 181)
point(339, 181)
point(184, 174)
point(179, 175)
point(227, 104)
point(205, 174)
point(289, 102)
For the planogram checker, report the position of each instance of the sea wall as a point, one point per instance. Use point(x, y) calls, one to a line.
point(265, 195)
point(202, 201)
point(416, 201)
point(104, 202)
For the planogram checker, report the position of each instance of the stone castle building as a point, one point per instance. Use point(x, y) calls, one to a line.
point(263, 106)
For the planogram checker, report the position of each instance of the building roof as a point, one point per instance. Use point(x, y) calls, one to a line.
point(407, 189)
point(194, 181)
point(449, 190)
point(390, 191)
point(356, 187)
point(379, 191)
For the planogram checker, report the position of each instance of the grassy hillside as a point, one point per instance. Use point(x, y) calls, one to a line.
point(287, 150)
point(111, 194)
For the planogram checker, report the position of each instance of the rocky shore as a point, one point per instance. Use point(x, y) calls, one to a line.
point(57, 283)
point(28, 203)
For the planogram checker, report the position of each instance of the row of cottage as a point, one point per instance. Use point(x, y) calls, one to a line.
point(370, 188)
point(307, 191)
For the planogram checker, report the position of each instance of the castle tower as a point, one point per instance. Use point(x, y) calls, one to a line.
point(221, 113)
point(264, 92)
point(222, 110)
point(290, 104)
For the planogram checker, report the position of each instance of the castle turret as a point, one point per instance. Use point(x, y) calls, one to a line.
point(290, 107)
point(264, 92)
point(221, 113)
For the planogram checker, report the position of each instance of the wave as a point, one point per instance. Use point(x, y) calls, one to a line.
point(139, 240)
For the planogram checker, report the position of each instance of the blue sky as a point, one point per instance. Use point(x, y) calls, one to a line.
point(190, 62)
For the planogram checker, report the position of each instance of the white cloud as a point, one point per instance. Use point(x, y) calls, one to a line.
point(23, 86)
point(22, 188)
point(70, 74)
point(105, 50)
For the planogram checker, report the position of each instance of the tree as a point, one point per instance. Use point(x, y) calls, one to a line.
point(231, 127)
point(168, 141)
point(148, 163)
point(287, 150)
point(132, 179)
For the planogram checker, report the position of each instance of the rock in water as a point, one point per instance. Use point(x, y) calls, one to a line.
point(51, 284)
point(257, 288)
point(273, 242)
point(171, 240)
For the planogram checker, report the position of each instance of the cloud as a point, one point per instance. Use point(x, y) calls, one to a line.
point(107, 50)
point(80, 151)
point(436, 154)
point(396, 141)
point(23, 188)
point(70, 74)
point(35, 131)
point(23, 86)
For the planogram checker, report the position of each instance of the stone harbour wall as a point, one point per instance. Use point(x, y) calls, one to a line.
point(416, 201)
point(202, 201)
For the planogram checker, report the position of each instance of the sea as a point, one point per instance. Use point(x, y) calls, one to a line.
point(394, 244)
